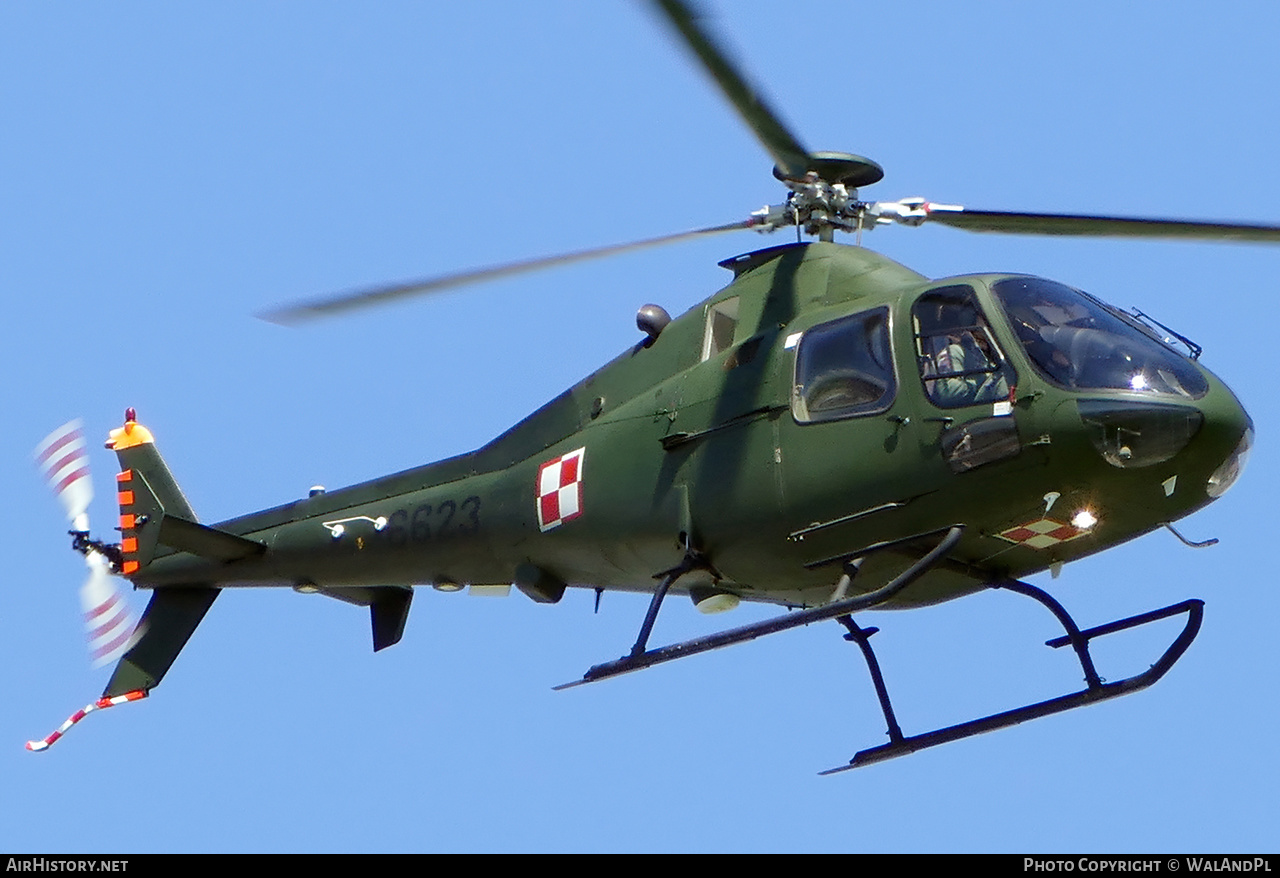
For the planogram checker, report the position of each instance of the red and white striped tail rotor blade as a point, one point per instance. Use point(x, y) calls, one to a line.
point(109, 621)
point(63, 459)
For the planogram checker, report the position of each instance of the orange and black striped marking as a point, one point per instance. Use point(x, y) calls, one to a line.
point(128, 523)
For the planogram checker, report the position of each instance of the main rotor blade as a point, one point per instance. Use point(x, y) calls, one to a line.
point(791, 157)
point(1099, 226)
point(292, 315)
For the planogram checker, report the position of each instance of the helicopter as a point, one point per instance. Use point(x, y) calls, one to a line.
point(704, 461)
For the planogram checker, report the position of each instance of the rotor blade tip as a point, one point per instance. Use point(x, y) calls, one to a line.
point(290, 318)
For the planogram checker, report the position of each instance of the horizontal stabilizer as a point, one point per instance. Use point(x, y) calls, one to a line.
point(205, 541)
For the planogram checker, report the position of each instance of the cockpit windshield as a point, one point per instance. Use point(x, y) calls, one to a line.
point(1076, 342)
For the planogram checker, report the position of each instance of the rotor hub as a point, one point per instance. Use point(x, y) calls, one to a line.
point(823, 199)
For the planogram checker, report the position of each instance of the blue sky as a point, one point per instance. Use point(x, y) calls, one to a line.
point(168, 171)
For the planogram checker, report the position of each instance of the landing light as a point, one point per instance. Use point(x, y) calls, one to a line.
point(1225, 476)
point(710, 600)
point(1084, 520)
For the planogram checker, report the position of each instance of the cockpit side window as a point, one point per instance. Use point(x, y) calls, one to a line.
point(844, 368)
point(960, 362)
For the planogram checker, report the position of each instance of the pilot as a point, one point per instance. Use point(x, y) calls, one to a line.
point(1035, 321)
point(961, 352)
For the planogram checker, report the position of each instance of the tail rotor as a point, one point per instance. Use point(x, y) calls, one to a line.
point(111, 626)
point(63, 460)
point(108, 619)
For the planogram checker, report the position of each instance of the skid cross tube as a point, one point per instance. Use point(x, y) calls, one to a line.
point(691, 561)
point(640, 658)
point(1096, 690)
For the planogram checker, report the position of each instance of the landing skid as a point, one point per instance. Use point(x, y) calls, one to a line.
point(1095, 690)
point(899, 744)
point(640, 657)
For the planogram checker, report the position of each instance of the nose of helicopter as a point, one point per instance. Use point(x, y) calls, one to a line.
point(1145, 406)
point(1191, 451)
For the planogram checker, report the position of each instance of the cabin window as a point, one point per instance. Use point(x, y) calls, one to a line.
point(960, 363)
point(844, 368)
point(722, 323)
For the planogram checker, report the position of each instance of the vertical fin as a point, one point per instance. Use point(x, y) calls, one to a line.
point(166, 626)
point(146, 491)
point(135, 447)
point(388, 613)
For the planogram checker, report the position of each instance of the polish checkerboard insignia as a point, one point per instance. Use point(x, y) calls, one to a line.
point(1042, 534)
point(560, 489)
